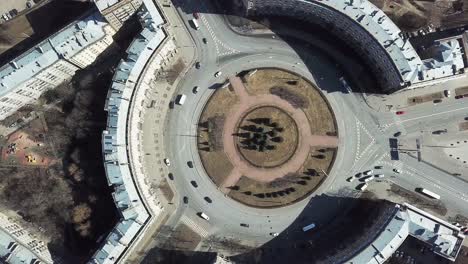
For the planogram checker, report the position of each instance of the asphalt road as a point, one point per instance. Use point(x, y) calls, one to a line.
point(364, 136)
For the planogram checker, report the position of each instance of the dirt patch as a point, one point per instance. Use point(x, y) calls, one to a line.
point(166, 190)
point(418, 200)
point(425, 98)
point(463, 126)
point(183, 238)
point(302, 93)
point(461, 91)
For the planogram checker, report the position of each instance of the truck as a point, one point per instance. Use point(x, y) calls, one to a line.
point(195, 24)
point(180, 100)
point(428, 193)
point(308, 227)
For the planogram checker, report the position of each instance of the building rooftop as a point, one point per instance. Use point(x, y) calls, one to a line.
point(63, 44)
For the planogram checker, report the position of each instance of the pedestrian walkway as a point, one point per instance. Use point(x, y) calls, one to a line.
point(194, 226)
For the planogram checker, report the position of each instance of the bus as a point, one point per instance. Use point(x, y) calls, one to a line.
point(308, 227)
point(428, 193)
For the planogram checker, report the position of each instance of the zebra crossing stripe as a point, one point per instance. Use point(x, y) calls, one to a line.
point(196, 227)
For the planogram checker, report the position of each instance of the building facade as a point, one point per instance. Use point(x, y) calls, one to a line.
point(117, 12)
point(52, 62)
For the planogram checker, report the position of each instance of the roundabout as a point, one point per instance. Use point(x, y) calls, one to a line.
point(255, 138)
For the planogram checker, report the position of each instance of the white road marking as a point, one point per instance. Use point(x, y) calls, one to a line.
point(218, 43)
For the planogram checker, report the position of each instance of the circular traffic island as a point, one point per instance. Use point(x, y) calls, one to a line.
point(268, 138)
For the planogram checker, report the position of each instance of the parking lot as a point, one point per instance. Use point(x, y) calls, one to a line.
point(19, 5)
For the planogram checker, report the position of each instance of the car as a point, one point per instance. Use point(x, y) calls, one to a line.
point(171, 176)
point(28, 4)
point(378, 167)
point(194, 184)
point(458, 96)
point(400, 112)
point(362, 186)
point(368, 179)
point(185, 200)
point(274, 234)
point(350, 179)
point(397, 170)
point(466, 232)
point(167, 162)
point(190, 164)
point(208, 199)
point(217, 74)
point(437, 101)
point(204, 40)
point(379, 175)
point(397, 134)
point(368, 172)
point(447, 93)
point(196, 15)
point(357, 175)
point(195, 89)
point(198, 65)
point(439, 132)
point(244, 225)
point(204, 216)
point(457, 224)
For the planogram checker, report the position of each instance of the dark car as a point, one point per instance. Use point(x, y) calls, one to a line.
point(397, 134)
point(244, 225)
point(194, 184)
point(436, 101)
point(185, 200)
point(208, 199)
point(458, 96)
point(205, 40)
point(439, 132)
point(171, 176)
point(190, 164)
point(196, 15)
point(197, 65)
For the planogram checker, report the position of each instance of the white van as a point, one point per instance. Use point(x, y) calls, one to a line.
point(204, 216)
point(181, 99)
point(368, 179)
point(362, 187)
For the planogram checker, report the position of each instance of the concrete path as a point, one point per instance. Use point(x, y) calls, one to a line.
point(242, 167)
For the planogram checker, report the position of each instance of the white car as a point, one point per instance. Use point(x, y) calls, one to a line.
point(367, 173)
point(217, 74)
point(362, 187)
point(397, 170)
point(379, 175)
point(167, 162)
point(368, 179)
point(204, 216)
point(447, 93)
point(274, 234)
point(350, 179)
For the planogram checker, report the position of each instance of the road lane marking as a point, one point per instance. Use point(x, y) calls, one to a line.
point(218, 43)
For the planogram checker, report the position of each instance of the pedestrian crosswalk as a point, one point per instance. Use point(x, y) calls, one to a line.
point(194, 226)
point(218, 43)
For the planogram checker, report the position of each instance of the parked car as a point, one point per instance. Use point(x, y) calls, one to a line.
point(196, 15)
point(400, 112)
point(458, 96)
point(244, 225)
point(208, 199)
point(447, 93)
point(167, 162)
point(195, 89)
point(350, 179)
point(368, 172)
point(362, 186)
point(197, 65)
point(379, 175)
point(378, 167)
point(217, 74)
point(397, 170)
point(274, 234)
point(185, 200)
point(397, 134)
point(439, 132)
point(437, 101)
point(204, 40)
